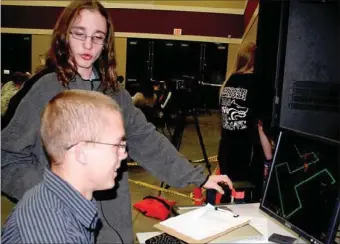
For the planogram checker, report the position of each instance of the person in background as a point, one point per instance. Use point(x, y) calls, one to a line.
point(159, 88)
point(238, 117)
point(267, 145)
point(9, 89)
point(82, 56)
point(146, 96)
point(83, 135)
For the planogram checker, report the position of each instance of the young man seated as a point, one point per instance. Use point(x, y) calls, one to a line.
point(83, 135)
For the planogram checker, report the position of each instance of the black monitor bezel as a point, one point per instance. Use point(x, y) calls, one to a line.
point(333, 222)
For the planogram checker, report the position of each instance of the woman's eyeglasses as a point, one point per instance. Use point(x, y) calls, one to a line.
point(100, 40)
point(121, 146)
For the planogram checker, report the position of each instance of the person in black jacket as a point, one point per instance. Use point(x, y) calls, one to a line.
point(238, 117)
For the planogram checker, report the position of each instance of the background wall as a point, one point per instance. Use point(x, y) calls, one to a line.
point(40, 45)
point(121, 47)
point(238, 4)
point(221, 4)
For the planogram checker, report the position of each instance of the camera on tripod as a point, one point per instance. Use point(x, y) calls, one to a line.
point(186, 94)
point(186, 83)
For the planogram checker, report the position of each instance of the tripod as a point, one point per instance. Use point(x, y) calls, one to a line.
point(178, 134)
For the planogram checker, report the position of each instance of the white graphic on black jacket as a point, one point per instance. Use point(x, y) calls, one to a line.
point(233, 115)
point(238, 103)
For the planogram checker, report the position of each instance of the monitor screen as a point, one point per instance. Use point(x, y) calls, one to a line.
point(302, 190)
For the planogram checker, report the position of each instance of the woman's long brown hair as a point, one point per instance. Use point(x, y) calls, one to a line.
point(245, 58)
point(59, 57)
point(245, 61)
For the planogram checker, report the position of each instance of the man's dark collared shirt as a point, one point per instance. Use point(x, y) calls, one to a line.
point(52, 212)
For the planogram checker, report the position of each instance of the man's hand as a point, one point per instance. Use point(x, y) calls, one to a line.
point(213, 181)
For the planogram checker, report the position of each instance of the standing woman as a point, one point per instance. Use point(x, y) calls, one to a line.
point(82, 56)
point(238, 117)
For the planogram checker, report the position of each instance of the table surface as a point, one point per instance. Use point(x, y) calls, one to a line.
point(251, 210)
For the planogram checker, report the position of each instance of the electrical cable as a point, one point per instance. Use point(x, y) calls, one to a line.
point(101, 206)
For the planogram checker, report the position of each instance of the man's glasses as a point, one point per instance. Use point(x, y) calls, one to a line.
point(121, 146)
point(100, 40)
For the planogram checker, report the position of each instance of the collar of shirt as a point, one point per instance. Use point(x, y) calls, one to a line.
point(84, 210)
point(94, 75)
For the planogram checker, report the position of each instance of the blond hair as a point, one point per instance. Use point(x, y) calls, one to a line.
point(73, 116)
point(245, 58)
point(245, 61)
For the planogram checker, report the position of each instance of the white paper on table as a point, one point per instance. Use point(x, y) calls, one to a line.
point(204, 222)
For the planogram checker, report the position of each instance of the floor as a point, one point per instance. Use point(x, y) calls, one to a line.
point(190, 147)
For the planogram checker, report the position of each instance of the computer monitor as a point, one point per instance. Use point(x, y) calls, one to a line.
point(303, 188)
